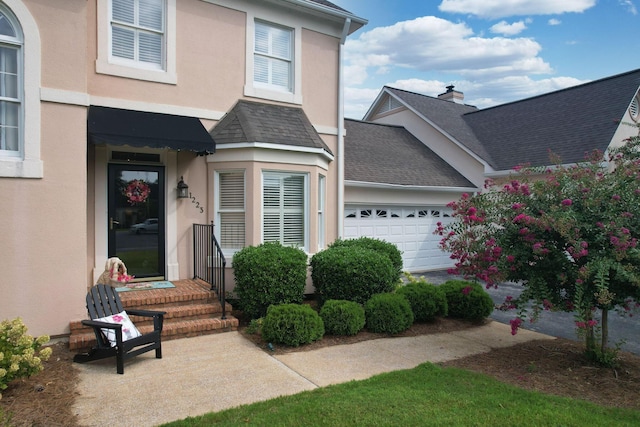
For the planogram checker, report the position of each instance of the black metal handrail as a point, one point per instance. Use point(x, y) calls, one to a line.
point(209, 263)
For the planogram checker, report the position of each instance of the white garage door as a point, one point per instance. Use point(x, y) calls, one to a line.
point(410, 228)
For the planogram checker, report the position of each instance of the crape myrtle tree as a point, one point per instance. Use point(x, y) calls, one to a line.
point(568, 234)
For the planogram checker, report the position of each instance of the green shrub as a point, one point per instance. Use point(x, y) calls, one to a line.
point(388, 313)
point(342, 317)
point(21, 355)
point(467, 300)
point(269, 274)
point(380, 246)
point(292, 324)
point(351, 273)
point(427, 301)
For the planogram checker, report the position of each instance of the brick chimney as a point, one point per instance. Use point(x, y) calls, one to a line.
point(452, 95)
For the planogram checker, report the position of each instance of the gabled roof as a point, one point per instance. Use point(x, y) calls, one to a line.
point(389, 154)
point(569, 122)
point(256, 122)
point(445, 115)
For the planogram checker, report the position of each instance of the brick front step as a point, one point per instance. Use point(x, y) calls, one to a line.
point(171, 330)
point(191, 308)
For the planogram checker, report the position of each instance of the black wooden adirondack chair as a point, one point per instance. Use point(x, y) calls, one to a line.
point(103, 301)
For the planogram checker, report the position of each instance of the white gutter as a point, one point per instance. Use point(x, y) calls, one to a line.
point(377, 185)
point(503, 173)
point(343, 38)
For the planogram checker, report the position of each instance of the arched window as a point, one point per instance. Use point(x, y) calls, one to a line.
point(19, 92)
point(11, 42)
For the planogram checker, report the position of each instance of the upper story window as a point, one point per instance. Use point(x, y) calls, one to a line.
point(19, 92)
point(273, 56)
point(274, 64)
point(137, 31)
point(634, 108)
point(10, 87)
point(137, 39)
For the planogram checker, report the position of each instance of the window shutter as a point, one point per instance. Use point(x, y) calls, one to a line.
point(283, 203)
point(273, 55)
point(232, 210)
point(137, 31)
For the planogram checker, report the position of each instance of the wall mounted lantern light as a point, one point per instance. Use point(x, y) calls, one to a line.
point(183, 189)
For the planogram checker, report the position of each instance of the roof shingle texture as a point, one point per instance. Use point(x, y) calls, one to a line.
point(569, 122)
point(250, 122)
point(390, 154)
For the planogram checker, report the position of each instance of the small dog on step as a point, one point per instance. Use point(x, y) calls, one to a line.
point(115, 273)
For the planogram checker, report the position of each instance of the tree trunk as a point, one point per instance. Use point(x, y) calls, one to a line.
point(605, 329)
point(590, 339)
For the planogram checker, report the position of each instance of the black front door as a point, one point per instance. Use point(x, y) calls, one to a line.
point(137, 219)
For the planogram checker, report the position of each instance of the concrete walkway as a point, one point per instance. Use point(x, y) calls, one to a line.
point(216, 372)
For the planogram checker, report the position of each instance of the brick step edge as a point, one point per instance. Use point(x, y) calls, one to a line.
point(170, 330)
point(164, 300)
point(198, 311)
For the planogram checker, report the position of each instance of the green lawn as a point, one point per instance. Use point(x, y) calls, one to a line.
point(427, 395)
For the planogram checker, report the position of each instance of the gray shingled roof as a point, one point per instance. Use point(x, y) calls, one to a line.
point(253, 122)
point(329, 4)
point(447, 116)
point(389, 154)
point(568, 122)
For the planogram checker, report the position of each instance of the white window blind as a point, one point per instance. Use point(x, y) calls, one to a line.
point(137, 31)
point(273, 56)
point(10, 91)
point(231, 210)
point(321, 208)
point(283, 209)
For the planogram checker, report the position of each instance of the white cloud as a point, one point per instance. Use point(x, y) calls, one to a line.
point(554, 21)
point(430, 44)
point(357, 101)
point(503, 27)
point(630, 6)
point(505, 8)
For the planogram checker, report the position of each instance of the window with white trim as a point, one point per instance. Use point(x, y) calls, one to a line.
point(137, 29)
point(273, 56)
point(10, 86)
point(284, 208)
point(321, 209)
point(231, 209)
point(137, 39)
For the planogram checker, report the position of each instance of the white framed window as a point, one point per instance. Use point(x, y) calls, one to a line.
point(284, 208)
point(273, 57)
point(231, 210)
point(10, 86)
point(138, 32)
point(634, 108)
point(274, 64)
point(321, 211)
point(137, 39)
point(19, 92)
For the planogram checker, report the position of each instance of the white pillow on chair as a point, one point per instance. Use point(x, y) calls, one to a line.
point(129, 330)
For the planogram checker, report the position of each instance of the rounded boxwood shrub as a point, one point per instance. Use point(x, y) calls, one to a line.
point(381, 246)
point(342, 317)
point(388, 313)
point(351, 273)
point(467, 300)
point(427, 301)
point(269, 274)
point(292, 325)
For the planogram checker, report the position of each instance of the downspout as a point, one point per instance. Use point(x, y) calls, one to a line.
point(343, 38)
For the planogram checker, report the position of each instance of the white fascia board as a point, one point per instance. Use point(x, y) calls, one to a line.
point(378, 185)
point(281, 147)
point(355, 22)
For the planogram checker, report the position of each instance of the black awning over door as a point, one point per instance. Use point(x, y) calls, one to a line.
point(115, 126)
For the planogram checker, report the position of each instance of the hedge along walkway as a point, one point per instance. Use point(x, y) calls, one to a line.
point(211, 373)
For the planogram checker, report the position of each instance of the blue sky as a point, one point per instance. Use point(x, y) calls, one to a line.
point(494, 51)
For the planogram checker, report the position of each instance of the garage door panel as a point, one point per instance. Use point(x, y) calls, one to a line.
point(410, 229)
